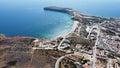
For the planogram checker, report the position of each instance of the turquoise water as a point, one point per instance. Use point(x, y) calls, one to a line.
point(27, 17)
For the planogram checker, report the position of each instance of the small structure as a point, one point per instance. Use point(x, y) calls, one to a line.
point(78, 46)
point(36, 42)
point(66, 41)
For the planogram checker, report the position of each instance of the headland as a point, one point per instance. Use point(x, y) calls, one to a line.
point(92, 42)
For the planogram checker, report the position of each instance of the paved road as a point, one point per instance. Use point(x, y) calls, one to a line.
point(95, 46)
point(72, 31)
point(90, 32)
point(58, 61)
point(46, 48)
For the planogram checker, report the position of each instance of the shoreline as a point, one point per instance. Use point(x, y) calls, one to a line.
point(76, 16)
point(98, 46)
point(74, 26)
point(86, 19)
point(68, 11)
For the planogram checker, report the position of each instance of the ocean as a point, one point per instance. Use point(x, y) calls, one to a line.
point(27, 17)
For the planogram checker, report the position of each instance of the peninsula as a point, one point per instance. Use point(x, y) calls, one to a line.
point(93, 42)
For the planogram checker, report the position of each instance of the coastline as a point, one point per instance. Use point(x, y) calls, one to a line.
point(74, 26)
point(36, 52)
point(69, 11)
point(85, 19)
point(76, 17)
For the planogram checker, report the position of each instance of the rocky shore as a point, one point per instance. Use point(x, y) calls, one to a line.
point(18, 52)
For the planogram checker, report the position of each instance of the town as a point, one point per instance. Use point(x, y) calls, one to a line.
point(93, 42)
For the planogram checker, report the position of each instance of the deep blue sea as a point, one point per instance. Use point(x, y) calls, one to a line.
point(27, 17)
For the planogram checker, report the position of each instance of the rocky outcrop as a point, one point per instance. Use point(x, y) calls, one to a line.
point(17, 52)
point(16, 41)
point(54, 8)
point(14, 50)
point(2, 37)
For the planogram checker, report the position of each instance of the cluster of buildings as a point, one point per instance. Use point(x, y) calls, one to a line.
point(110, 42)
point(107, 44)
point(65, 44)
point(45, 43)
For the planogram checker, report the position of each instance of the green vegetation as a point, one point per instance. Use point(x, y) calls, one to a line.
point(86, 43)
